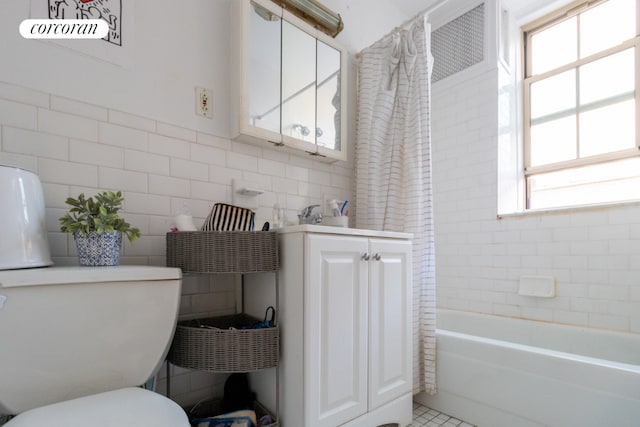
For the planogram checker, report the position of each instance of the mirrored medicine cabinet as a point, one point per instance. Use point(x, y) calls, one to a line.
point(290, 83)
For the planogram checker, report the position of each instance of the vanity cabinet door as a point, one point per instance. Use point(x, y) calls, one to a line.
point(390, 321)
point(335, 337)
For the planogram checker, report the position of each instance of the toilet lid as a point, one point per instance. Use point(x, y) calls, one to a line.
point(118, 408)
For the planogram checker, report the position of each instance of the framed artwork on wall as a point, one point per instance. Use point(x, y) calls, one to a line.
point(116, 47)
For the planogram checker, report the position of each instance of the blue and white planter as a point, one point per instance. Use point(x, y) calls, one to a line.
point(98, 250)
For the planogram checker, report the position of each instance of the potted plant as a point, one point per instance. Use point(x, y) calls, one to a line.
point(97, 228)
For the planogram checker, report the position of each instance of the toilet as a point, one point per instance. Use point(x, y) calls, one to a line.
point(75, 342)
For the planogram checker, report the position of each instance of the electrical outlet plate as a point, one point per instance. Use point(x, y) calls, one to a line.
point(204, 102)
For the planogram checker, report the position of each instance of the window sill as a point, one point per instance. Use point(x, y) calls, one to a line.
point(569, 209)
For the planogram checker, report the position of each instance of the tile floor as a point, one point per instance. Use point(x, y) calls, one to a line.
point(426, 417)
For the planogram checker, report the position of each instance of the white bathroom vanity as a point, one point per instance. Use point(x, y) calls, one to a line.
point(346, 324)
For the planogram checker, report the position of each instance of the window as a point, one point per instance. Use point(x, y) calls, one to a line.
point(580, 105)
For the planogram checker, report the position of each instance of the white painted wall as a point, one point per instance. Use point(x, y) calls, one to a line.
point(169, 49)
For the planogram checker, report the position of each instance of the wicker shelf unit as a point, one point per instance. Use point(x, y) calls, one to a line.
point(217, 344)
point(223, 251)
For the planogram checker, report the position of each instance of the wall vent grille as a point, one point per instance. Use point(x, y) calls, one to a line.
point(458, 44)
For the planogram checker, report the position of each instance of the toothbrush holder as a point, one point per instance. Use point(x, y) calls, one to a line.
point(336, 221)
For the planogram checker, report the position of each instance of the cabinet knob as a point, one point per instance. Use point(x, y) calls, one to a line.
point(377, 256)
point(366, 256)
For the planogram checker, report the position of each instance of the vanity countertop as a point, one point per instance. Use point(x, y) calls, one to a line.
point(343, 231)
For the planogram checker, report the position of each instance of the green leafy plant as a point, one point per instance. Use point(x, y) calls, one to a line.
point(98, 213)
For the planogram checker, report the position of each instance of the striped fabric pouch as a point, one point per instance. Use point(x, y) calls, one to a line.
point(225, 217)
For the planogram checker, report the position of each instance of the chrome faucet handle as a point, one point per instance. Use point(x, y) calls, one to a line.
point(306, 212)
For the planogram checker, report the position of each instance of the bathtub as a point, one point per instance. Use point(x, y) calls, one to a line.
point(504, 372)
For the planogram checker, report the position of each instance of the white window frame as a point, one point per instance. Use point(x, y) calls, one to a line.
point(545, 22)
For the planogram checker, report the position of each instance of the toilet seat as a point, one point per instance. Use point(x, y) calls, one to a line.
point(118, 408)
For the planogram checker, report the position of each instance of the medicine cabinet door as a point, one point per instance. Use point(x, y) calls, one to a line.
point(298, 87)
point(264, 69)
point(328, 97)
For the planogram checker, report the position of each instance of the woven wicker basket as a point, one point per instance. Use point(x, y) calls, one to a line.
point(209, 345)
point(212, 408)
point(223, 251)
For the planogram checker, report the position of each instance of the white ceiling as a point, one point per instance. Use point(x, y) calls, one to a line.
point(366, 21)
point(413, 7)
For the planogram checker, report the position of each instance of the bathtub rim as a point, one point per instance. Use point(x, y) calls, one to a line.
point(580, 330)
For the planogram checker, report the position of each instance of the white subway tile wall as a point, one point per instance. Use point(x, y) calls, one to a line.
point(162, 169)
point(592, 253)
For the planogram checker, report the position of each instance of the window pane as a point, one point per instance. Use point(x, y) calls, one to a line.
point(599, 183)
point(554, 46)
point(589, 111)
point(608, 129)
point(607, 77)
point(554, 94)
point(553, 141)
point(607, 25)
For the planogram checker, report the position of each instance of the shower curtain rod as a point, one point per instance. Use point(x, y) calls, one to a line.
point(417, 16)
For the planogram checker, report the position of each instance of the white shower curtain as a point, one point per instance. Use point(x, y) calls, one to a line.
point(393, 167)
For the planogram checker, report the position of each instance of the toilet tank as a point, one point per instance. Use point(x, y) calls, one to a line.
point(68, 332)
